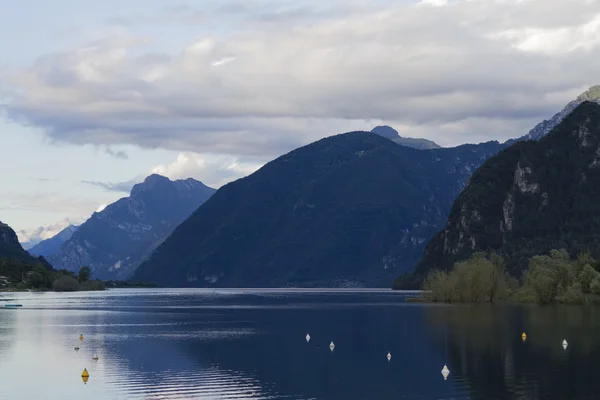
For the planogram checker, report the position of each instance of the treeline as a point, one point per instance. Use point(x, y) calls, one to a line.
point(552, 278)
point(22, 275)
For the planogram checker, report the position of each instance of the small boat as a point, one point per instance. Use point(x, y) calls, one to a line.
point(13, 305)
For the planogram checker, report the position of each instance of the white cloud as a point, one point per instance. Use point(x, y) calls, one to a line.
point(309, 69)
point(36, 235)
point(555, 41)
point(212, 170)
point(436, 3)
point(222, 61)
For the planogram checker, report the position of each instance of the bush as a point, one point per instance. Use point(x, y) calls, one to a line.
point(92, 285)
point(477, 280)
point(549, 279)
point(65, 284)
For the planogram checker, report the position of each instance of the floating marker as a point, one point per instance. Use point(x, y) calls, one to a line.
point(445, 372)
point(307, 338)
point(76, 347)
point(95, 358)
point(81, 337)
point(389, 356)
point(565, 344)
point(331, 346)
point(524, 336)
point(85, 376)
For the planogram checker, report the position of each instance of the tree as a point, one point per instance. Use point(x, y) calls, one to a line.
point(84, 274)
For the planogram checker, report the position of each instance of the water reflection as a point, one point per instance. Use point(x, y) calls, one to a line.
point(486, 348)
point(204, 345)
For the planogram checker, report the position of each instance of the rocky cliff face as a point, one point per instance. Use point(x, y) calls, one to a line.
point(349, 210)
point(114, 241)
point(530, 198)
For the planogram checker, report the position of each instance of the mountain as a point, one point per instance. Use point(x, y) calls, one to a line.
point(10, 246)
point(390, 133)
point(114, 241)
point(530, 198)
point(30, 237)
point(50, 246)
point(350, 210)
point(14, 260)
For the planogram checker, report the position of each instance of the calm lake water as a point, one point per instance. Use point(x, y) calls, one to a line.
point(196, 344)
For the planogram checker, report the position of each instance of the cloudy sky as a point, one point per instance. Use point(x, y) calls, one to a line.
point(95, 95)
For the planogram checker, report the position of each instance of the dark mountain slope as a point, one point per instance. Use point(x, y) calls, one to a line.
point(529, 199)
point(10, 247)
point(50, 246)
point(15, 262)
point(352, 209)
point(114, 241)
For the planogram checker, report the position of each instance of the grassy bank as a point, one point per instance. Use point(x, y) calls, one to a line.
point(552, 278)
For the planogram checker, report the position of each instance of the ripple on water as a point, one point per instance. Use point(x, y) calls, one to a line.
point(205, 384)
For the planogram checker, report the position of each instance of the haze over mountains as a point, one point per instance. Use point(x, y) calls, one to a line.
point(114, 241)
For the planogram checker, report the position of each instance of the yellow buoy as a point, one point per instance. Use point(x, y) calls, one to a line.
point(524, 336)
point(85, 374)
point(81, 337)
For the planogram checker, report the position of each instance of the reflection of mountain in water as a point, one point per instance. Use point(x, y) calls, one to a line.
point(149, 367)
point(260, 339)
point(485, 349)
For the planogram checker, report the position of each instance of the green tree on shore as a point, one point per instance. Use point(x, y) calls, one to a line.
point(84, 274)
point(551, 278)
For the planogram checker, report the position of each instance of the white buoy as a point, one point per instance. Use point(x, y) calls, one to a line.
point(445, 372)
point(331, 346)
point(307, 338)
point(389, 356)
point(95, 357)
point(565, 344)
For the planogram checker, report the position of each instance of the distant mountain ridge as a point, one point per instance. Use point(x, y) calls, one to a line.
point(350, 210)
point(50, 246)
point(392, 134)
point(542, 129)
point(114, 241)
point(31, 237)
point(529, 199)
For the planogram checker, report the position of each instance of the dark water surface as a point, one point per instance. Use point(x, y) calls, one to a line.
point(196, 344)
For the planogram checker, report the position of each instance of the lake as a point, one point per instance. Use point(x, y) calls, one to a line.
point(227, 344)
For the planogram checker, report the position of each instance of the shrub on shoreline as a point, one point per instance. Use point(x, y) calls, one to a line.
point(552, 278)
